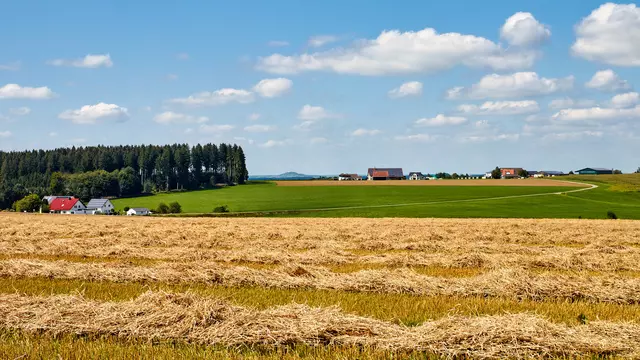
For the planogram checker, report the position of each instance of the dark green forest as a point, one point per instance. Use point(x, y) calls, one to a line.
point(100, 171)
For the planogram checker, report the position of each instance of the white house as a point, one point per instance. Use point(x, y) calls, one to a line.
point(64, 205)
point(100, 206)
point(138, 212)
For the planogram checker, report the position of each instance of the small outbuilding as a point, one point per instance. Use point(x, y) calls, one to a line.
point(595, 171)
point(349, 177)
point(138, 212)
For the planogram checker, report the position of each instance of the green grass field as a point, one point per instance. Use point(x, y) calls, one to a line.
point(615, 193)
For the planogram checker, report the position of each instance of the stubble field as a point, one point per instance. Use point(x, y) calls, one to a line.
point(117, 287)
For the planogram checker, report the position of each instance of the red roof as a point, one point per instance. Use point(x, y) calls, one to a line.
point(62, 204)
point(380, 173)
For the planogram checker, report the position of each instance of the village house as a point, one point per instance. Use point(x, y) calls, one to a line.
point(64, 205)
point(510, 173)
point(138, 212)
point(100, 206)
point(385, 174)
point(349, 177)
point(416, 175)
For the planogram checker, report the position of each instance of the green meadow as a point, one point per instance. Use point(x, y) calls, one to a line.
point(618, 194)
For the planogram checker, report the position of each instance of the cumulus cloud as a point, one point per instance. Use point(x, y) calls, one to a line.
point(501, 108)
point(5, 134)
point(366, 132)
point(215, 129)
point(522, 29)
point(218, 97)
point(240, 138)
point(21, 111)
point(170, 117)
point(89, 61)
point(91, 114)
point(607, 80)
point(15, 91)
point(485, 138)
point(259, 128)
point(417, 137)
point(565, 103)
point(625, 100)
point(610, 34)
point(274, 143)
point(314, 113)
point(321, 40)
point(441, 120)
point(395, 52)
point(411, 88)
point(254, 117)
point(596, 114)
point(515, 85)
point(573, 135)
point(270, 88)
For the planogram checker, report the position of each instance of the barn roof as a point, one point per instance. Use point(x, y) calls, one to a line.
point(97, 203)
point(62, 204)
point(390, 172)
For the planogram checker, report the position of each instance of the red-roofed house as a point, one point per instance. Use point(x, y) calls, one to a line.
point(67, 206)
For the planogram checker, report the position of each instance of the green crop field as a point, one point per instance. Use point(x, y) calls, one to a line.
point(618, 194)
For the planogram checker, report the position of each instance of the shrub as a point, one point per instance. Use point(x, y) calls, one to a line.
point(126, 208)
point(611, 215)
point(175, 208)
point(221, 209)
point(30, 203)
point(162, 208)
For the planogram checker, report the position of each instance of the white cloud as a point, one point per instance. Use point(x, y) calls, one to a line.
point(625, 100)
point(215, 129)
point(170, 117)
point(441, 120)
point(515, 85)
point(565, 103)
point(417, 138)
point(15, 91)
point(366, 132)
point(53, 134)
point(241, 138)
point(610, 34)
point(318, 140)
point(275, 143)
point(91, 114)
point(501, 108)
point(172, 77)
point(607, 80)
point(406, 89)
point(89, 61)
point(218, 97)
point(481, 124)
point(314, 113)
point(485, 138)
point(278, 43)
point(522, 29)
point(596, 114)
point(574, 135)
point(182, 56)
point(305, 125)
point(254, 117)
point(270, 88)
point(321, 40)
point(21, 111)
point(5, 134)
point(395, 52)
point(14, 66)
point(259, 128)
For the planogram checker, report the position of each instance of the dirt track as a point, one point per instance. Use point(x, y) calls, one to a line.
point(514, 182)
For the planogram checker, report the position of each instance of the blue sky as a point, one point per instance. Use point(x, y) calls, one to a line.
point(331, 86)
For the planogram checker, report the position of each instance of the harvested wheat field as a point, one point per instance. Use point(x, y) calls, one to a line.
point(317, 288)
point(465, 182)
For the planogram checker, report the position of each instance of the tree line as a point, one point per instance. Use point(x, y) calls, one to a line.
point(98, 171)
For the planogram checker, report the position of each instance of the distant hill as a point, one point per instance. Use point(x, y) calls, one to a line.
point(290, 175)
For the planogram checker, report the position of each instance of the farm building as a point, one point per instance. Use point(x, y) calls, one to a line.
point(539, 174)
point(99, 206)
point(64, 205)
point(594, 171)
point(349, 177)
point(385, 174)
point(509, 173)
point(415, 175)
point(138, 212)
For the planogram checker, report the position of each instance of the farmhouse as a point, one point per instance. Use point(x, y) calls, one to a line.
point(99, 206)
point(138, 212)
point(414, 175)
point(510, 173)
point(385, 174)
point(349, 177)
point(64, 205)
point(595, 171)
